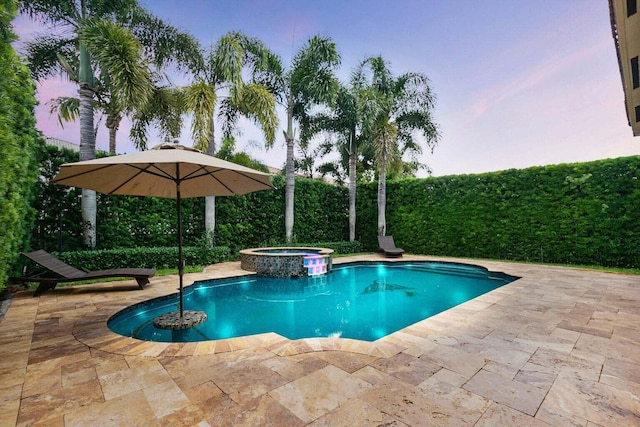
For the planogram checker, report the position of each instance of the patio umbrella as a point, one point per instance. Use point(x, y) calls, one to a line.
point(168, 170)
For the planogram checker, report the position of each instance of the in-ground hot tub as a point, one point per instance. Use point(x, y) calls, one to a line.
point(286, 262)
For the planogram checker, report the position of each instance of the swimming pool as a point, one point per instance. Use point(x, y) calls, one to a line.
point(363, 300)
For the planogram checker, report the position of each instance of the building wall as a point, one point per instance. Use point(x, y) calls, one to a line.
point(625, 24)
point(62, 144)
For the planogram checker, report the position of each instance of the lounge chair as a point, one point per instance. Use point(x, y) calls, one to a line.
point(387, 246)
point(58, 271)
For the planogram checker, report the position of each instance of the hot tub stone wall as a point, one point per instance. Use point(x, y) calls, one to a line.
point(248, 262)
point(280, 265)
point(275, 266)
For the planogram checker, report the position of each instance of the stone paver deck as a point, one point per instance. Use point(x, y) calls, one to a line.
point(560, 346)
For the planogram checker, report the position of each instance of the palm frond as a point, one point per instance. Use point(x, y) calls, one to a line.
point(385, 145)
point(311, 78)
point(258, 104)
point(57, 12)
point(200, 100)
point(114, 10)
point(164, 44)
point(265, 67)
point(317, 53)
point(227, 61)
point(139, 130)
point(164, 108)
point(229, 114)
point(119, 55)
point(43, 54)
point(66, 108)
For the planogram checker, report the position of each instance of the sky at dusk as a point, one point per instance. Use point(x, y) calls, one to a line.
point(519, 83)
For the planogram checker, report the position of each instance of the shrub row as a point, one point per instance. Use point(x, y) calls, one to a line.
point(158, 258)
point(167, 257)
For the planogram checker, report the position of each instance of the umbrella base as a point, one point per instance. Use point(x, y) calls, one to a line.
point(172, 320)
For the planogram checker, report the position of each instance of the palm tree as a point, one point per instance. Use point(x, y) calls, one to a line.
point(309, 81)
point(405, 106)
point(350, 122)
point(92, 47)
point(222, 73)
point(387, 155)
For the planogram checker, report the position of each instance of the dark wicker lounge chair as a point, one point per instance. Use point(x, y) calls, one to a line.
point(57, 271)
point(387, 246)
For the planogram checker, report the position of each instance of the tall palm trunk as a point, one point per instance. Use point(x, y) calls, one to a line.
point(352, 189)
point(210, 201)
point(289, 176)
point(113, 123)
point(386, 155)
point(210, 218)
point(88, 203)
point(382, 201)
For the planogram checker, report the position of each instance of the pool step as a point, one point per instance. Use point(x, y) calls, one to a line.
point(464, 271)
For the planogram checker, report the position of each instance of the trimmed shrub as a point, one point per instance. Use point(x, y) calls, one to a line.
point(159, 258)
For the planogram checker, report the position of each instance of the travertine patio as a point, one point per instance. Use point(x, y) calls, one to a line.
point(560, 346)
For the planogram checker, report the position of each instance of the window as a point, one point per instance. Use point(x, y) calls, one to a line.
point(635, 74)
point(632, 7)
point(637, 113)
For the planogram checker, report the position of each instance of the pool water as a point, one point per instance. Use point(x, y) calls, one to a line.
point(288, 251)
point(364, 301)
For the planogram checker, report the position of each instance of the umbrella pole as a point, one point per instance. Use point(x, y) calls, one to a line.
point(193, 318)
point(180, 260)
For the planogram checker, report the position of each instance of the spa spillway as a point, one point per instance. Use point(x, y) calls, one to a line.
point(286, 262)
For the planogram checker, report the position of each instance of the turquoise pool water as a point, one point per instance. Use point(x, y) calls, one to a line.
point(364, 301)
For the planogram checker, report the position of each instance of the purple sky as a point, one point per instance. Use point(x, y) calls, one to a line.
point(519, 83)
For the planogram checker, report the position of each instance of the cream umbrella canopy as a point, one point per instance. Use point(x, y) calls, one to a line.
point(168, 170)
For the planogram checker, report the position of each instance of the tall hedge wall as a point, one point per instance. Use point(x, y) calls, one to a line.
point(246, 221)
point(19, 145)
point(583, 213)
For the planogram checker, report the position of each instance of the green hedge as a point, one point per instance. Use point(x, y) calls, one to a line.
point(256, 219)
point(20, 144)
point(341, 248)
point(583, 213)
point(158, 258)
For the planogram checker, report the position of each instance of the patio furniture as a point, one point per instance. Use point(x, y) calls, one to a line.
point(171, 171)
point(388, 247)
point(58, 271)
